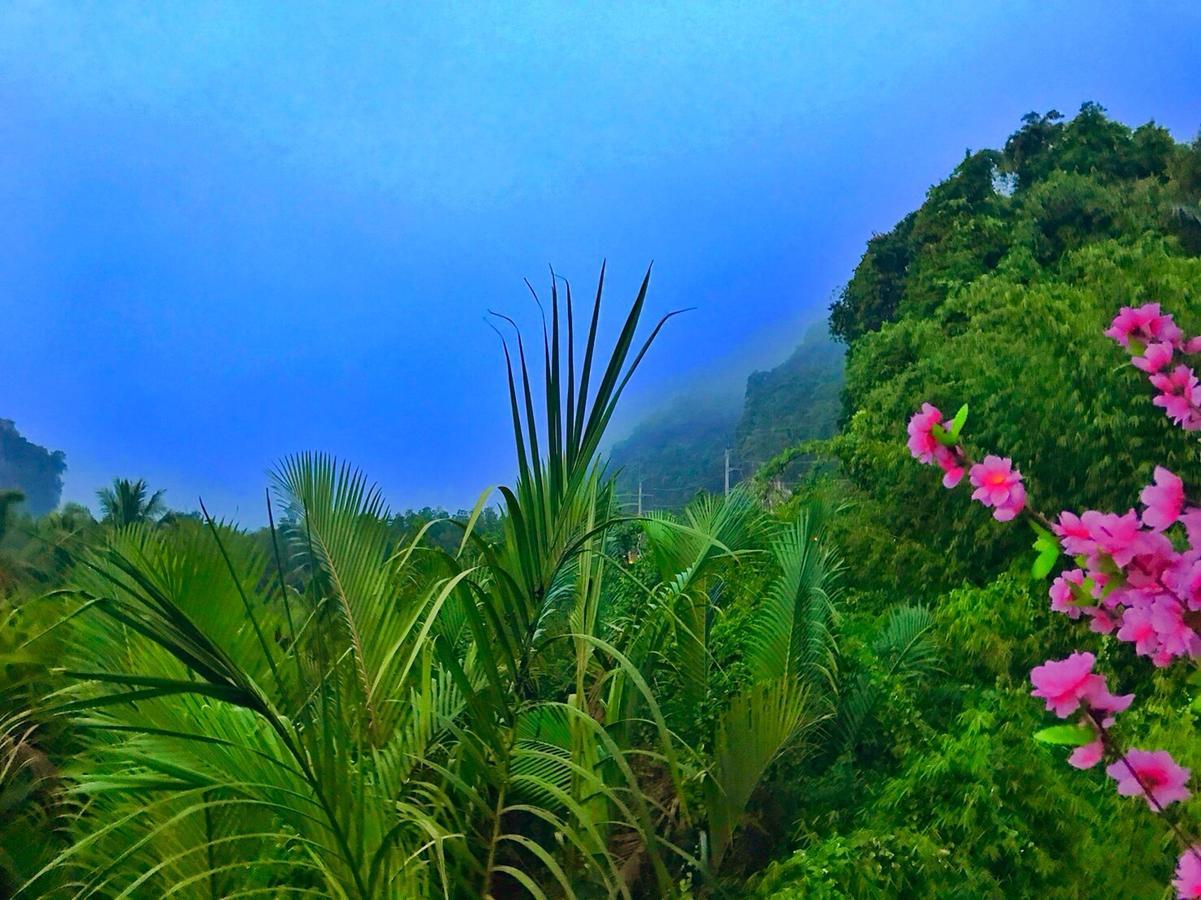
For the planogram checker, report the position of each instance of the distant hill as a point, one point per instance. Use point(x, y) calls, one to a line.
point(34, 471)
point(798, 400)
point(677, 450)
point(680, 449)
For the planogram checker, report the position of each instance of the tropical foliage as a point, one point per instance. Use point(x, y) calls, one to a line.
point(347, 708)
point(818, 691)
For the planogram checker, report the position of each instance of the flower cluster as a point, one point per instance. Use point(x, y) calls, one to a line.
point(1137, 574)
point(998, 485)
point(929, 444)
point(1154, 340)
point(1068, 685)
point(1132, 580)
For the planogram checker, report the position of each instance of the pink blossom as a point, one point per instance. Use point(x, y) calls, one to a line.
point(1192, 345)
point(1145, 324)
point(926, 448)
point(1188, 874)
point(1074, 535)
point(1138, 628)
point(1191, 520)
point(1155, 358)
point(998, 485)
point(1178, 397)
point(1064, 683)
point(922, 442)
point(1174, 636)
point(1088, 755)
point(1103, 701)
point(951, 463)
point(1164, 779)
point(1116, 536)
point(1183, 578)
point(1164, 500)
point(1153, 557)
point(1101, 621)
point(1068, 594)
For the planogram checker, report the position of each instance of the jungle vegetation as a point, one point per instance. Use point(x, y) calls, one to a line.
point(814, 692)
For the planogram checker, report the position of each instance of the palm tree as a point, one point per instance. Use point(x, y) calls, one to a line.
point(130, 502)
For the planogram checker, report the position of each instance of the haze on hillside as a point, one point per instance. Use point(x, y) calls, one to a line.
point(237, 231)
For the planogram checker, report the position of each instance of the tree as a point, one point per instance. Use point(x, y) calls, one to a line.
point(130, 503)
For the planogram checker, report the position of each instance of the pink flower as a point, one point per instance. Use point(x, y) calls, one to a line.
point(1116, 536)
point(998, 485)
point(926, 448)
point(1074, 535)
point(1145, 324)
point(1155, 555)
point(1101, 621)
point(1164, 500)
point(922, 442)
point(1174, 636)
point(1188, 874)
point(1104, 701)
point(1165, 780)
point(1068, 594)
point(1138, 628)
point(1155, 358)
point(1178, 397)
point(951, 463)
point(1183, 578)
point(1191, 520)
point(1064, 683)
point(1087, 756)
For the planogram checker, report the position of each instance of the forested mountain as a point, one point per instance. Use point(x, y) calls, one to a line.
point(995, 293)
point(799, 400)
point(34, 471)
point(681, 449)
point(676, 450)
point(992, 293)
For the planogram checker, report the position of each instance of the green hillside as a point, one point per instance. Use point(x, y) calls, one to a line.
point(681, 449)
point(995, 293)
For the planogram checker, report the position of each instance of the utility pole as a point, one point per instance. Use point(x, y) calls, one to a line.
point(639, 498)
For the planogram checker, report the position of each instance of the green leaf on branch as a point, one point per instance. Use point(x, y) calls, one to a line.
point(1066, 735)
point(957, 423)
point(942, 436)
point(1044, 563)
point(1048, 552)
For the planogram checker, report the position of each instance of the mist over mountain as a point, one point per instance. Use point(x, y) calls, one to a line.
point(31, 469)
point(680, 448)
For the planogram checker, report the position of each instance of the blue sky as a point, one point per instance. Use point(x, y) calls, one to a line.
point(233, 231)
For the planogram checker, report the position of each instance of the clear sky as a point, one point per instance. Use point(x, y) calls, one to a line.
point(233, 231)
